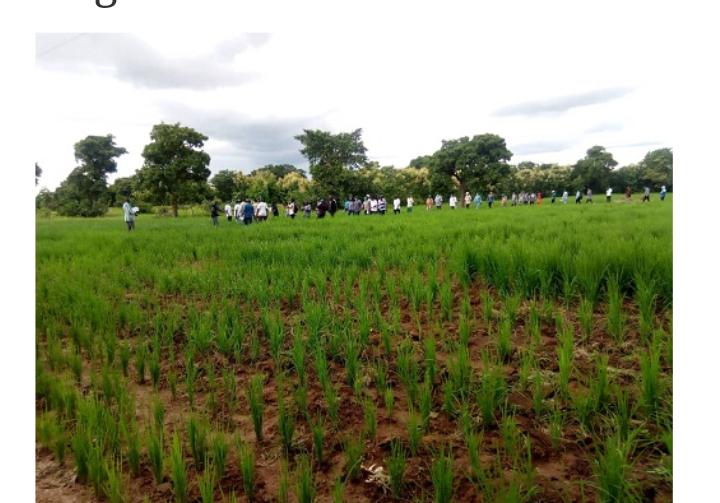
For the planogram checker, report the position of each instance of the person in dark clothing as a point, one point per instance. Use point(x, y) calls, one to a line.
point(321, 208)
point(333, 207)
point(274, 209)
point(214, 214)
point(247, 212)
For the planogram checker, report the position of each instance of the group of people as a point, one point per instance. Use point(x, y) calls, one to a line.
point(249, 211)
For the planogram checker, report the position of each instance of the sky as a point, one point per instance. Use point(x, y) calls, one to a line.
point(551, 95)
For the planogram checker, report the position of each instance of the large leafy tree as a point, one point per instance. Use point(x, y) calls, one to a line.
point(594, 170)
point(224, 184)
point(176, 167)
point(472, 163)
point(656, 168)
point(279, 170)
point(332, 157)
point(84, 191)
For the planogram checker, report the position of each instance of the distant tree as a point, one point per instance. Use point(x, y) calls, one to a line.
point(332, 157)
point(120, 189)
point(175, 166)
point(656, 169)
point(472, 163)
point(422, 161)
point(84, 191)
point(224, 184)
point(45, 200)
point(280, 170)
point(38, 173)
point(594, 169)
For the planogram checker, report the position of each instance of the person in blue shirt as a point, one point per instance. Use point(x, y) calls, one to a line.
point(247, 212)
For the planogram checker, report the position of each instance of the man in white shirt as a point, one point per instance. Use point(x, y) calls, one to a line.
point(373, 206)
point(261, 211)
point(410, 203)
point(438, 201)
point(129, 215)
point(228, 212)
point(453, 201)
point(608, 194)
point(238, 211)
point(396, 205)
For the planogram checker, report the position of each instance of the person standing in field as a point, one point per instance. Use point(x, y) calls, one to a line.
point(646, 195)
point(382, 205)
point(291, 209)
point(578, 197)
point(663, 192)
point(396, 205)
point(553, 195)
point(307, 210)
point(228, 212)
point(477, 200)
point(468, 200)
point(333, 206)
point(565, 197)
point(274, 209)
point(490, 199)
point(588, 194)
point(128, 215)
point(237, 210)
point(503, 200)
point(628, 194)
point(428, 203)
point(248, 211)
point(438, 201)
point(373, 205)
point(261, 211)
point(539, 198)
point(321, 208)
point(608, 194)
point(532, 197)
point(452, 202)
point(410, 203)
point(214, 214)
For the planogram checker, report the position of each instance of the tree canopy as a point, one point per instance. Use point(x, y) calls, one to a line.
point(175, 166)
point(594, 170)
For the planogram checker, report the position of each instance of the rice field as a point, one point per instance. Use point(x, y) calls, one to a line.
point(513, 354)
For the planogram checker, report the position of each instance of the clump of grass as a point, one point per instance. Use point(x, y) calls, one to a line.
point(353, 449)
point(414, 432)
point(389, 398)
point(125, 354)
point(504, 344)
point(650, 381)
point(256, 402)
point(197, 431)
point(246, 461)
point(206, 483)
point(178, 471)
point(426, 401)
point(305, 484)
point(370, 419)
point(286, 423)
point(156, 454)
point(283, 483)
point(140, 361)
point(396, 467)
point(490, 394)
point(318, 436)
point(442, 475)
point(585, 316)
point(615, 316)
point(114, 488)
point(155, 369)
point(612, 470)
point(219, 450)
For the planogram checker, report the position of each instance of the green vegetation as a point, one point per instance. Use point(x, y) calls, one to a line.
point(413, 356)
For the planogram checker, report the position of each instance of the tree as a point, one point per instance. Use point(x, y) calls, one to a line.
point(594, 169)
point(472, 163)
point(84, 191)
point(38, 173)
point(175, 164)
point(279, 170)
point(121, 189)
point(332, 157)
point(656, 168)
point(422, 161)
point(224, 184)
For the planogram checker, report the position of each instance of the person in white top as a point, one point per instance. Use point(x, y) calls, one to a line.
point(410, 203)
point(129, 215)
point(396, 205)
point(228, 212)
point(608, 194)
point(453, 201)
point(238, 211)
point(373, 205)
point(261, 211)
point(468, 200)
point(438, 201)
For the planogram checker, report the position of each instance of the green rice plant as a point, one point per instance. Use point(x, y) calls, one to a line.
point(538, 397)
point(229, 390)
point(197, 434)
point(585, 316)
point(381, 382)
point(599, 386)
point(206, 484)
point(460, 371)
point(408, 369)
point(286, 423)
point(446, 301)
point(158, 413)
point(425, 405)
point(338, 491)
point(650, 384)
point(254, 353)
point(511, 438)
point(300, 398)
point(414, 432)
point(389, 398)
point(565, 351)
point(557, 422)
point(332, 400)
point(114, 487)
point(140, 361)
point(612, 469)
point(396, 467)
point(191, 374)
point(97, 472)
point(511, 307)
point(474, 442)
point(154, 367)
point(178, 471)
point(256, 402)
point(219, 453)
point(125, 357)
point(623, 412)
point(352, 357)
point(283, 483)
point(132, 441)
point(75, 363)
point(646, 299)
point(430, 356)
point(80, 445)
point(464, 331)
point(246, 461)
point(584, 407)
point(504, 341)
point(442, 475)
point(172, 382)
point(490, 394)
point(156, 455)
point(370, 419)
point(318, 438)
point(615, 315)
point(321, 367)
point(305, 484)
point(488, 308)
point(533, 324)
point(353, 448)
point(298, 356)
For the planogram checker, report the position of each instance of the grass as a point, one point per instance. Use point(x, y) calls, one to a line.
point(444, 332)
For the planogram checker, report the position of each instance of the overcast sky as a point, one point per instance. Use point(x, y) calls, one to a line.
point(550, 97)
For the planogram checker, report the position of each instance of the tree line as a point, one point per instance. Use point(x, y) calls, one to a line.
point(175, 172)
